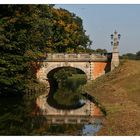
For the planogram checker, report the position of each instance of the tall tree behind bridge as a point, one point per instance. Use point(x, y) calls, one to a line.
point(26, 32)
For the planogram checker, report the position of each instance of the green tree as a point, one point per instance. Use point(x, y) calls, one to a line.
point(138, 55)
point(68, 34)
point(102, 51)
point(13, 35)
point(129, 56)
point(26, 36)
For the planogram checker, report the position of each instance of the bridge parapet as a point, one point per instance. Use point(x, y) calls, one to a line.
point(51, 57)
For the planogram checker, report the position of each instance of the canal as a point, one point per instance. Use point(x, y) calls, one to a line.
point(21, 115)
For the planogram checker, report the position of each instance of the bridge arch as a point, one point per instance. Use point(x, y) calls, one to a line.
point(47, 67)
point(60, 66)
point(52, 82)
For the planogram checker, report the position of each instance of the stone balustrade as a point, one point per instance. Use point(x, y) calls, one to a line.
point(51, 57)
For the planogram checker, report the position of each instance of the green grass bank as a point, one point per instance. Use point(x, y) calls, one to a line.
point(119, 92)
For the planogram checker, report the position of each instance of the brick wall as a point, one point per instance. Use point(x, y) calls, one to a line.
point(100, 68)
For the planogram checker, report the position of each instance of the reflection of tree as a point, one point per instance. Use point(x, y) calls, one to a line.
point(69, 86)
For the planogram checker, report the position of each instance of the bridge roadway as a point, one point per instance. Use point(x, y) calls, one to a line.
point(57, 116)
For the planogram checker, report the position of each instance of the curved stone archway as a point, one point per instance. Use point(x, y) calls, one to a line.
point(49, 66)
point(66, 66)
point(92, 65)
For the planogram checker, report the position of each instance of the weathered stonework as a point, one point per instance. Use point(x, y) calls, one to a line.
point(92, 65)
point(115, 52)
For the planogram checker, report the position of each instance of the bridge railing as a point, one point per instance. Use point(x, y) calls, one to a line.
point(75, 57)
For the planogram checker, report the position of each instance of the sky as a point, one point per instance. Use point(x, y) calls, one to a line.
point(101, 20)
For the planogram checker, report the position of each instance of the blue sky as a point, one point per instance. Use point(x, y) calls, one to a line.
point(100, 21)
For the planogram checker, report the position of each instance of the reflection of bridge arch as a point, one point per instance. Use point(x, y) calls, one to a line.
point(54, 85)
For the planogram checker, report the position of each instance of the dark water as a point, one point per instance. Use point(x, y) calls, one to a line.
point(68, 93)
point(18, 115)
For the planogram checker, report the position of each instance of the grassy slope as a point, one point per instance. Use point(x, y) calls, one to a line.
point(119, 93)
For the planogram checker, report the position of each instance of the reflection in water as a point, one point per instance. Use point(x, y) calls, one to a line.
point(91, 129)
point(65, 88)
point(19, 116)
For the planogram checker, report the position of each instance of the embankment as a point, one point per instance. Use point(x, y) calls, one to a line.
point(119, 92)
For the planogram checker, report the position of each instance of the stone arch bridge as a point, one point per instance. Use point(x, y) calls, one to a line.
point(93, 65)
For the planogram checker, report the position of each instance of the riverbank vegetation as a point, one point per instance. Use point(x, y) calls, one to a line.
point(26, 37)
point(27, 33)
point(131, 56)
point(118, 91)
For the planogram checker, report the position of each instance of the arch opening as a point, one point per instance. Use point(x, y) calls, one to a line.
point(66, 87)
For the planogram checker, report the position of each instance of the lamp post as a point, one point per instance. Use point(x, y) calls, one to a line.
point(115, 53)
point(115, 39)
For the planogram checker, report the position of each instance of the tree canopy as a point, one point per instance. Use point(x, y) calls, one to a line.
point(132, 56)
point(27, 32)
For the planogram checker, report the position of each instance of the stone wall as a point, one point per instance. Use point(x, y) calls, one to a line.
point(92, 70)
point(47, 67)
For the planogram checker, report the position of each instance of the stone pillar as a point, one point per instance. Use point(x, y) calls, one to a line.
point(91, 70)
point(115, 58)
point(115, 52)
